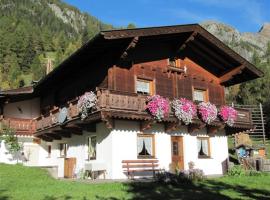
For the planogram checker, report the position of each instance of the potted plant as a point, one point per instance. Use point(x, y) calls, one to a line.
point(184, 110)
point(87, 103)
point(207, 112)
point(158, 107)
point(228, 115)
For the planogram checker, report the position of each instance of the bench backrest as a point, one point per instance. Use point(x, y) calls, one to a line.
point(140, 164)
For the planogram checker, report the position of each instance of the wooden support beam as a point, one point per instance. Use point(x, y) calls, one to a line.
point(91, 127)
point(129, 48)
point(63, 133)
point(229, 75)
point(171, 126)
point(144, 125)
point(205, 56)
point(214, 129)
point(189, 39)
point(75, 131)
point(217, 57)
point(53, 136)
point(45, 138)
point(195, 127)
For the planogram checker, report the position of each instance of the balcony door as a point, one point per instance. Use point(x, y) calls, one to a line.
point(177, 153)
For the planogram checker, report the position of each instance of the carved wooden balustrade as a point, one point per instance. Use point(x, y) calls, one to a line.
point(20, 126)
point(120, 102)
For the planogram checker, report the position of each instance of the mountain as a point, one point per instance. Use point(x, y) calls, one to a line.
point(246, 44)
point(36, 32)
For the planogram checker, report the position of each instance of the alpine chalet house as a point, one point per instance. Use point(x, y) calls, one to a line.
point(133, 101)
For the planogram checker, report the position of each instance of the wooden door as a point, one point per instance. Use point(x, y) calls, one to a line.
point(177, 153)
point(69, 167)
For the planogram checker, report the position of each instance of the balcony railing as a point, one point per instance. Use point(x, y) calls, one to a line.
point(120, 102)
point(20, 126)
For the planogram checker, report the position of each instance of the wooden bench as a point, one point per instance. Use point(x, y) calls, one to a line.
point(132, 166)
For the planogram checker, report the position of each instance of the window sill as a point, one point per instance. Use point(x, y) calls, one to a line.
point(146, 157)
point(205, 157)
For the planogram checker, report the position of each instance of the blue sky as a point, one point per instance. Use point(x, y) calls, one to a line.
point(245, 15)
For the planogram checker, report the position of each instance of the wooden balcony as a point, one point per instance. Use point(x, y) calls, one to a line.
point(20, 126)
point(119, 105)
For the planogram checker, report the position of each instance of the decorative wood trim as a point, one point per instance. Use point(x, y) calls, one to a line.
point(231, 73)
point(131, 46)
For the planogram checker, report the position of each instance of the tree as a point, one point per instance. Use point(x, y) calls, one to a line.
point(131, 25)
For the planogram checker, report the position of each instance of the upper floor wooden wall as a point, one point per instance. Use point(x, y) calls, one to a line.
point(166, 83)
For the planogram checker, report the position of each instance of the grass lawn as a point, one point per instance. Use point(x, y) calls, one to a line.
point(22, 183)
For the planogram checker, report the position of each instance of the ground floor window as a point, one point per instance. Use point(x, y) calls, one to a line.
point(92, 145)
point(63, 149)
point(145, 146)
point(203, 147)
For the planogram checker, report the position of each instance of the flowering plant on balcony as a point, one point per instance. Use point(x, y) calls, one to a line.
point(207, 112)
point(86, 103)
point(228, 115)
point(184, 109)
point(158, 107)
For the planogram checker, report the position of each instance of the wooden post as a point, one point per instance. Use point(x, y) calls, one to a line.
point(261, 112)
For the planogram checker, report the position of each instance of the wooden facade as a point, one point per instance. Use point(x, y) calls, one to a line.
point(112, 62)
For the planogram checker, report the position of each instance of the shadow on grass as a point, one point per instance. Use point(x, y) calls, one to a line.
point(209, 189)
point(3, 196)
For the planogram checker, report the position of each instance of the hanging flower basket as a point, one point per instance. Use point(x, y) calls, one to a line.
point(207, 112)
point(87, 103)
point(228, 115)
point(158, 107)
point(184, 109)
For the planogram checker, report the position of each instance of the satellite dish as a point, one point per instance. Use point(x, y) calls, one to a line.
point(62, 115)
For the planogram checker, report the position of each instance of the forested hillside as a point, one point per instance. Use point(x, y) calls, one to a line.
point(33, 31)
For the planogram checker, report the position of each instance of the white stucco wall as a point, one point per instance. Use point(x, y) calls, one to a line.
point(218, 149)
point(29, 109)
point(120, 143)
point(25, 142)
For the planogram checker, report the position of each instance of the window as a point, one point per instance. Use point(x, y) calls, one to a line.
point(144, 87)
point(63, 149)
point(174, 62)
point(200, 95)
point(49, 150)
point(145, 146)
point(92, 146)
point(203, 147)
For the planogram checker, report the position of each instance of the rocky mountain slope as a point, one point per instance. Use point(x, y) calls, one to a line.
point(246, 44)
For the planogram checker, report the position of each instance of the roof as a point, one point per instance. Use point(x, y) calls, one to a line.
point(21, 93)
point(192, 39)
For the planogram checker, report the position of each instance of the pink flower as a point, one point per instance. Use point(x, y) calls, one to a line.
point(207, 112)
point(158, 107)
point(184, 109)
point(228, 115)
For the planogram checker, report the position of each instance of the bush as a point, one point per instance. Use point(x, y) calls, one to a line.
point(236, 170)
point(182, 177)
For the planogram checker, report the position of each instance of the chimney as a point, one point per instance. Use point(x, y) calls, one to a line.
point(49, 66)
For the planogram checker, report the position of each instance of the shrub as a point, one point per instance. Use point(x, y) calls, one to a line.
point(236, 170)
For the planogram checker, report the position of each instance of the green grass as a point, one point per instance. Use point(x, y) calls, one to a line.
point(22, 183)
